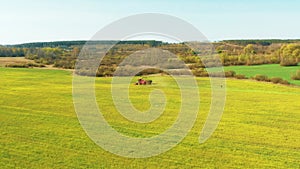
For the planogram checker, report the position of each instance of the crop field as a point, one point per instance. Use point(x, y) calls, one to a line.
point(271, 70)
point(260, 127)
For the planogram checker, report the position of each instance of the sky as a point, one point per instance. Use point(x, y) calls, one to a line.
point(55, 20)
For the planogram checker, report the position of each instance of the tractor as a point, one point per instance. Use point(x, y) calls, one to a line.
point(143, 82)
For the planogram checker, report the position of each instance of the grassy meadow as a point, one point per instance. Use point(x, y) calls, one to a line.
point(260, 127)
point(271, 70)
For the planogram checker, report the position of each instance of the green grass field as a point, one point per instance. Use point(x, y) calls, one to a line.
point(271, 70)
point(260, 127)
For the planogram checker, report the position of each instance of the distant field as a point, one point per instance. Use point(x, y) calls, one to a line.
point(271, 70)
point(260, 127)
point(13, 60)
point(21, 60)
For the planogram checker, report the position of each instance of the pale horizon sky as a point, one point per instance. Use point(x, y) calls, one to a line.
point(54, 20)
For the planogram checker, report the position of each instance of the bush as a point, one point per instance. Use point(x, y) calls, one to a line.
point(149, 71)
point(288, 63)
point(230, 73)
point(22, 65)
point(35, 65)
point(278, 80)
point(104, 71)
point(203, 73)
point(200, 72)
point(195, 66)
point(261, 78)
point(296, 76)
point(240, 76)
point(64, 64)
point(285, 82)
point(217, 74)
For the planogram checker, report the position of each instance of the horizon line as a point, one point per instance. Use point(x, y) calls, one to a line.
point(212, 41)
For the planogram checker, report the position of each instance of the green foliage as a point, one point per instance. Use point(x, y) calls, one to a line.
point(249, 50)
point(290, 55)
point(12, 52)
point(250, 54)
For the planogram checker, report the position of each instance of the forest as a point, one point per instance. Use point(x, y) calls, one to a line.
point(63, 54)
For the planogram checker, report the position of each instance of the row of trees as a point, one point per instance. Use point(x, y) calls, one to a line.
point(12, 52)
point(286, 55)
point(57, 56)
point(71, 44)
point(262, 42)
point(64, 54)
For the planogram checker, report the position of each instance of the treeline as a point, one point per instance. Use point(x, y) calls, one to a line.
point(263, 42)
point(284, 54)
point(59, 44)
point(71, 44)
point(12, 52)
point(230, 52)
point(59, 57)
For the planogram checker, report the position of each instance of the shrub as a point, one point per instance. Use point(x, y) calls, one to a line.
point(296, 76)
point(289, 63)
point(195, 66)
point(276, 80)
point(230, 73)
point(285, 82)
point(64, 64)
point(179, 72)
point(103, 71)
point(214, 74)
point(35, 65)
point(22, 65)
point(217, 74)
point(261, 78)
point(238, 76)
point(149, 71)
point(200, 72)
